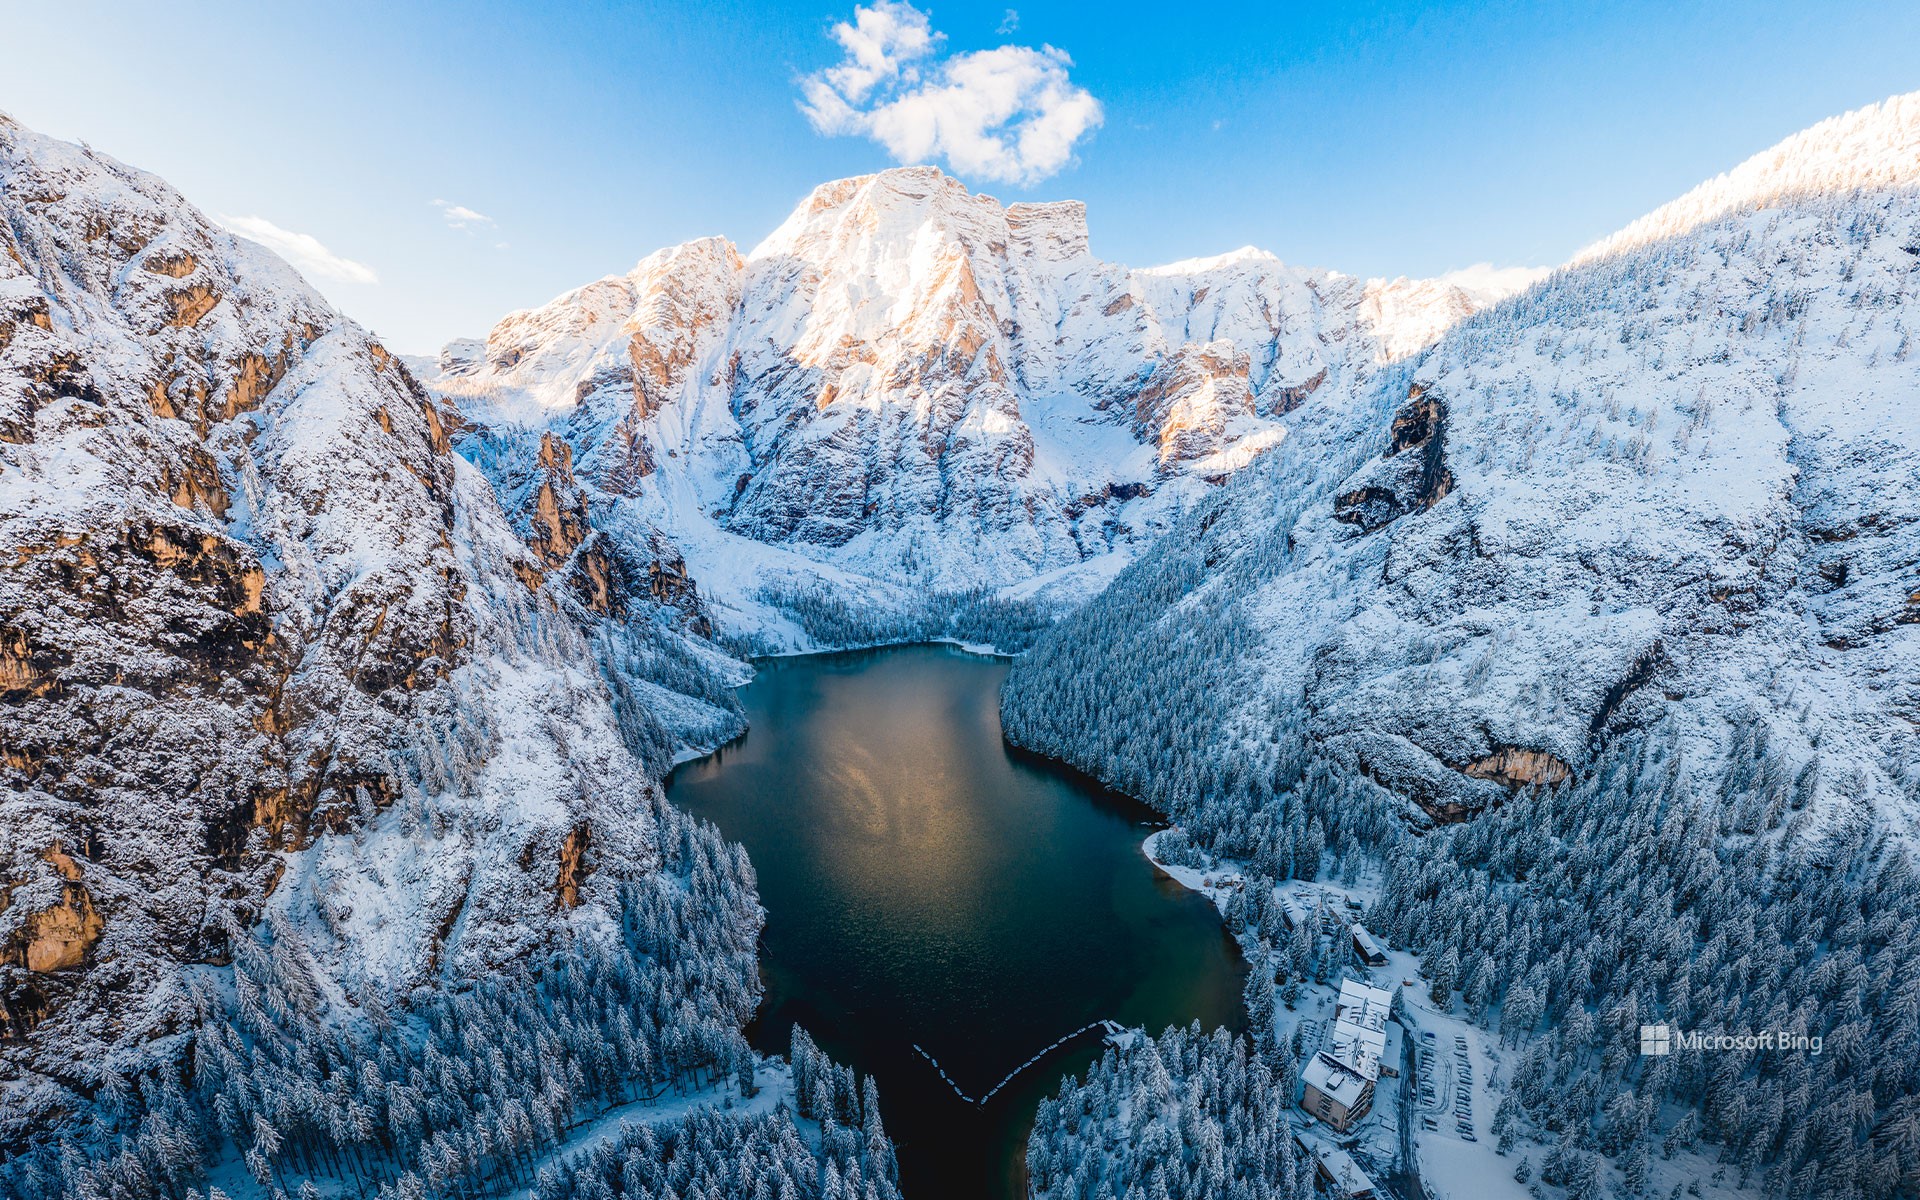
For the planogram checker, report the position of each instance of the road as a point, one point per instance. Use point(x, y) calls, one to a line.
point(1406, 1181)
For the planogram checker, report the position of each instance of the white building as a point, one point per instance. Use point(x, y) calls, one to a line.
point(1360, 1026)
point(1335, 1092)
point(1340, 1078)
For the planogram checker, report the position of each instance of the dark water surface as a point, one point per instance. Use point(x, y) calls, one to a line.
point(926, 883)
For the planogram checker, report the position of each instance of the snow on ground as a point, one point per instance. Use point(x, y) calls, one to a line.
point(774, 1077)
point(1216, 884)
point(1073, 585)
point(1454, 1159)
point(1462, 1057)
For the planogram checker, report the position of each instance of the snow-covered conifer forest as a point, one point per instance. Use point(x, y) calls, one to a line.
point(1545, 652)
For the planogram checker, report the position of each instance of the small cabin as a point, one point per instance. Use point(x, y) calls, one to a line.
point(1367, 951)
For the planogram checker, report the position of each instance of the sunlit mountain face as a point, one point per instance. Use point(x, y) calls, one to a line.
point(1226, 729)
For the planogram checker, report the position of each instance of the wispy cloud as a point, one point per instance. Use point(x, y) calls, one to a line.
point(1488, 283)
point(459, 216)
point(306, 252)
point(1011, 114)
point(1010, 22)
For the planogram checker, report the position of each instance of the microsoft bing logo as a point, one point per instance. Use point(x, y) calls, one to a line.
point(1656, 1039)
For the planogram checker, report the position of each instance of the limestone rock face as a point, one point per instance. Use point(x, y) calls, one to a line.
point(56, 938)
point(1520, 768)
point(266, 642)
point(1412, 473)
point(203, 649)
point(917, 387)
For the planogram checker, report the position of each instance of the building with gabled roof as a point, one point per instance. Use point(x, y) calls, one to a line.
point(1339, 1174)
point(1367, 948)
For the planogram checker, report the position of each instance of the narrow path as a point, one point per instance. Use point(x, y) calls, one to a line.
point(1110, 1027)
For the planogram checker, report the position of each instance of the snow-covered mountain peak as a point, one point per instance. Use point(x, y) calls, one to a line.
point(1245, 255)
point(909, 380)
point(883, 208)
point(1873, 147)
point(707, 251)
point(1054, 231)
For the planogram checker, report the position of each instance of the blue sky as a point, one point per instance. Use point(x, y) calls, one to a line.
point(459, 161)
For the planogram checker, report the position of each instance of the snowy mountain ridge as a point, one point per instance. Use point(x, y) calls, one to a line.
point(907, 385)
point(1875, 147)
point(1674, 477)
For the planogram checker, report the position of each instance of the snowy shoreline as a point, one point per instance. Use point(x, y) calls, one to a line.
point(983, 649)
point(1215, 885)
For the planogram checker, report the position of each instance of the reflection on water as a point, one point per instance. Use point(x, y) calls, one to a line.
point(925, 883)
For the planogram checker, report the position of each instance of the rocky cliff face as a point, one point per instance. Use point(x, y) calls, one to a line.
point(921, 388)
point(1673, 483)
point(265, 641)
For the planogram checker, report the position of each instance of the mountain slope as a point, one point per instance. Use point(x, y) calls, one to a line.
point(1679, 471)
point(268, 648)
point(1609, 597)
point(907, 387)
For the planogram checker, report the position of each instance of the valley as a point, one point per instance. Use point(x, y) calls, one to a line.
point(638, 752)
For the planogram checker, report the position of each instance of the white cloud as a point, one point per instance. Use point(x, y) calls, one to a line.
point(1010, 22)
point(303, 250)
point(1489, 284)
point(1010, 114)
point(459, 216)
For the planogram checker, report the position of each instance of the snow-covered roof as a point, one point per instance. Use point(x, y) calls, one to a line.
point(1339, 1167)
point(1360, 1027)
point(1368, 946)
point(1336, 1079)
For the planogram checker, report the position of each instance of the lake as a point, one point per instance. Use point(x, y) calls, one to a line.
point(926, 883)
